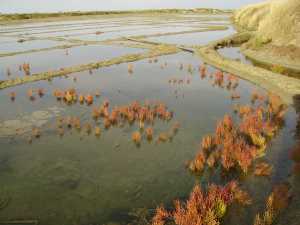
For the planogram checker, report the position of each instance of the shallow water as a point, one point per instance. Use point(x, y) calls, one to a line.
point(9, 47)
point(234, 53)
point(81, 179)
point(197, 38)
point(61, 58)
point(119, 34)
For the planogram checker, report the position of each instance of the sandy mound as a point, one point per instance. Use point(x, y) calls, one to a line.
point(277, 21)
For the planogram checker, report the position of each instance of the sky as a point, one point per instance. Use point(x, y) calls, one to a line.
point(23, 6)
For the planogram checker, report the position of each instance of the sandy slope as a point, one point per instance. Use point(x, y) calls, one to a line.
point(277, 20)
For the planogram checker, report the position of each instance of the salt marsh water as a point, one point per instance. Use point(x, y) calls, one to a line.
point(78, 178)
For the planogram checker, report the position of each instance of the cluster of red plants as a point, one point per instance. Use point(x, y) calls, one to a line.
point(238, 145)
point(26, 68)
point(31, 94)
point(203, 207)
point(144, 115)
point(222, 80)
point(70, 96)
point(275, 203)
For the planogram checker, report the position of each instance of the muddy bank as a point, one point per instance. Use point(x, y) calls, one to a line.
point(268, 35)
point(285, 63)
point(284, 86)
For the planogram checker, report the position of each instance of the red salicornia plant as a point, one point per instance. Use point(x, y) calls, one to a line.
point(203, 208)
point(238, 145)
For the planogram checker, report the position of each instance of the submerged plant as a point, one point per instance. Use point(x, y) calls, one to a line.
point(88, 128)
point(58, 94)
point(163, 137)
point(130, 68)
point(97, 94)
point(295, 156)
point(181, 66)
point(12, 95)
point(197, 165)
point(8, 72)
point(97, 131)
point(149, 133)
point(26, 68)
point(203, 71)
point(30, 95)
point(207, 142)
point(41, 92)
point(81, 99)
point(89, 99)
point(295, 153)
point(136, 137)
point(175, 128)
point(276, 202)
point(36, 132)
point(70, 96)
point(60, 131)
point(190, 68)
point(107, 123)
point(219, 78)
point(95, 113)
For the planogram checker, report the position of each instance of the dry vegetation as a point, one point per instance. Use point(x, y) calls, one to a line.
point(276, 28)
point(278, 21)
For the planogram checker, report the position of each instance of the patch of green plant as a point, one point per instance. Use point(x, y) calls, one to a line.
point(259, 42)
point(277, 69)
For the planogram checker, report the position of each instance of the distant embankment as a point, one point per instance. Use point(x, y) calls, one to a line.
point(276, 21)
point(27, 16)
